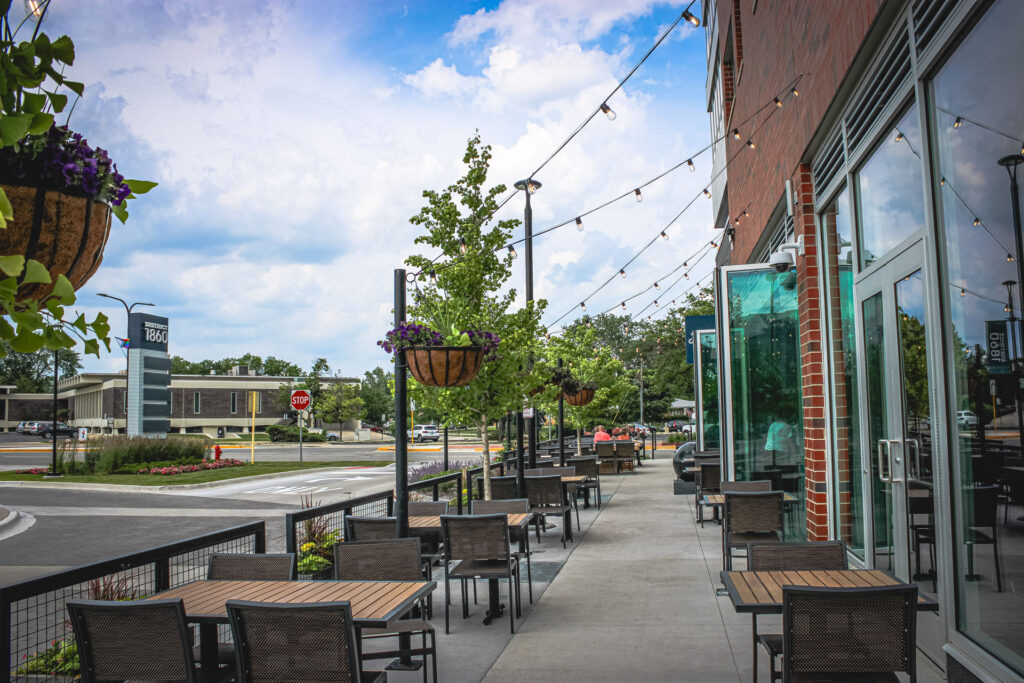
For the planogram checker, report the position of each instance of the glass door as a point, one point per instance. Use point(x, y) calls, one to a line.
point(706, 406)
point(898, 426)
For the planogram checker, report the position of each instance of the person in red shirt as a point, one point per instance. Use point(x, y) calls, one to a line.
point(623, 434)
point(601, 434)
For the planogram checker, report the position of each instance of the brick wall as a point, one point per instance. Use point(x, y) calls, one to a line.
point(779, 40)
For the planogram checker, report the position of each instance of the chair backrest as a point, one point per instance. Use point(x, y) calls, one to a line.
point(503, 488)
point(699, 460)
point(140, 640)
point(533, 472)
point(586, 467)
point(760, 511)
point(370, 528)
point(710, 477)
point(293, 642)
point(624, 449)
point(546, 490)
point(510, 505)
point(772, 557)
point(849, 630)
point(986, 499)
point(558, 471)
point(267, 567)
point(475, 537)
point(605, 449)
point(396, 559)
point(745, 486)
point(428, 508)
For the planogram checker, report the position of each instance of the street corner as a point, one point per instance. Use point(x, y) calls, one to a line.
point(13, 522)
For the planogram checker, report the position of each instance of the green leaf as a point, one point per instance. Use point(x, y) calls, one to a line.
point(57, 100)
point(29, 320)
point(63, 290)
point(32, 102)
point(63, 49)
point(55, 309)
point(92, 346)
point(80, 324)
point(40, 123)
point(12, 265)
point(101, 327)
point(140, 186)
point(6, 331)
point(55, 338)
point(121, 212)
point(27, 342)
point(75, 87)
point(13, 128)
point(6, 210)
point(36, 273)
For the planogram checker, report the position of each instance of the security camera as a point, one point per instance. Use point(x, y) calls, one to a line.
point(782, 261)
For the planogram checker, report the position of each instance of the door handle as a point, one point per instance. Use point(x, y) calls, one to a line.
point(895, 459)
point(883, 461)
point(916, 459)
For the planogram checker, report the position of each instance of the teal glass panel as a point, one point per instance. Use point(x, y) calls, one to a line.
point(765, 398)
point(709, 389)
point(848, 501)
point(878, 431)
point(975, 103)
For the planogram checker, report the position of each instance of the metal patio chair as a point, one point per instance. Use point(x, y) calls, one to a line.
point(983, 515)
point(370, 528)
point(588, 468)
point(503, 488)
point(708, 481)
point(518, 535)
point(249, 567)
point(751, 518)
point(428, 508)
point(547, 497)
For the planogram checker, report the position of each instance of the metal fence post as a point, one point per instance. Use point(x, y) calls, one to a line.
point(5, 638)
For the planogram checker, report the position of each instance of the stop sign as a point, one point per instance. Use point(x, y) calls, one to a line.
point(300, 399)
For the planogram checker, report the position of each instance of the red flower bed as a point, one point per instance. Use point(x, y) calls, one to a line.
point(182, 469)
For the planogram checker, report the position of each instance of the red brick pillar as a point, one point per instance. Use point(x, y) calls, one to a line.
point(811, 352)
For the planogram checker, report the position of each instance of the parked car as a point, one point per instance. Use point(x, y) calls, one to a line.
point(641, 430)
point(45, 429)
point(21, 427)
point(966, 417)
point(424, 433)
point(674, 426)
point(333, 436)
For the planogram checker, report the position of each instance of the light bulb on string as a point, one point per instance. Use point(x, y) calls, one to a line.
point(777, 101)
point(623, 305)
point(607, 111)
point(795, 92)
point(657, 286)
point(664, 235)
point(959, 121)
point(963, 292)
point(656, 304)
point(1009, 258)
point(433, 278)
point(736, 133)
point(714, 245)
point(977, 221)
point(622, 272)
point(579, 223)
point(639, 197)
point(689, 164)
point(691, 18)
point(512, 251)
point(583, 305)
point(686, 275)
point(751, 145)
point(899, 135)
point(462, 246)
point(685, 264)
point(942, 181)
point(707, 193)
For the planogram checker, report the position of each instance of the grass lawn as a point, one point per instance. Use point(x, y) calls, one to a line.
point(189, 477)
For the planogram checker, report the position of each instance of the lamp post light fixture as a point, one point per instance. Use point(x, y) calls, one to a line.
point(1011, 163)
point(128, 313)
point(529, 186)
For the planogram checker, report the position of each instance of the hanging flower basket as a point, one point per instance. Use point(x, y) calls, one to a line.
point(64, 232)
point(444, 366)
point(581, 397)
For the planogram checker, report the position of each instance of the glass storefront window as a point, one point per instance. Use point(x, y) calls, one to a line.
point(708, 354)
point(848, 501)
point(890, 190)
point(765, 397)
point(978, 114)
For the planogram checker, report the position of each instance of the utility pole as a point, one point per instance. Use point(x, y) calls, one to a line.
point(529, 186)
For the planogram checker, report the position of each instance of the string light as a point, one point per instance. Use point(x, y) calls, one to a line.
point(656, 303)
point(512, 251)
point(795, 92)
point(963, 292)
point(691, 18)
point(623, 304)
point(657, 286)
point(433, 278)
point(685, 264)
point(899, 135)
point(664, 235)
point(639, 197)
point(689, 164)
point(736, 133)
point(942, 182)
point(707, 193)
point(959, 121)
point(1009, 258)
point(977, 221)
point(778, 102)
point(751, 145)
point(687, 275)
point(583, 306)
point(714, 245)
point(462, 246)
point(579, 223)
point(622, 272)
point(607, 111)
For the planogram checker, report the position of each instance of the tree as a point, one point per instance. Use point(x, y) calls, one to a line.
point(376, 395)
point(453, 221)
point(271, 367)
point(340, 402)
point(33, 372)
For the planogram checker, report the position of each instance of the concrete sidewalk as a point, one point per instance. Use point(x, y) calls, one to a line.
point(636, 601)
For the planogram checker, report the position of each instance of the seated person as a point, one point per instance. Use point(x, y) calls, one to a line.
point(601, 435)
point(622, 434)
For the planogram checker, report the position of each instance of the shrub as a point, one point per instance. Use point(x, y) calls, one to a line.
point(291, 433)
point(109, 454)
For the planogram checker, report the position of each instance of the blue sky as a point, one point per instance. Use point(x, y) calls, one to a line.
point(292, 142)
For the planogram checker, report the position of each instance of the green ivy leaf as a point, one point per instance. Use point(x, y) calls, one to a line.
point(92, 346)
point(55, 338)
point(27, 342)
point(63, 290)
point(140, 186)
point(63, 50)
point(121, 212)
point(8, 290)
point(80, 324)
point(12, 265)
point(32, 102)
point(36, 273)
point(40, 123)
point(57, 100)
point(13, 128)
point(101, 327)
point(55, 309)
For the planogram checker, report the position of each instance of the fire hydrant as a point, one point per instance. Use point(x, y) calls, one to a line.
point(216, 452)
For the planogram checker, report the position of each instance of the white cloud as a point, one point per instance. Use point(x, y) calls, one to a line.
point(437, 80)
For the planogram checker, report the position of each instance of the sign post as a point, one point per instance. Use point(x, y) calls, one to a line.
point(300, 401)
point(252, 429)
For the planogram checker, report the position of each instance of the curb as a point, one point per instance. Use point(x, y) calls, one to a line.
point(164, 488)
point(14, 523)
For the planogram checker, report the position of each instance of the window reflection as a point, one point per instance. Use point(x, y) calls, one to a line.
point(849, 499)
point(890, 188)
point(709, 389)
point(979, 118)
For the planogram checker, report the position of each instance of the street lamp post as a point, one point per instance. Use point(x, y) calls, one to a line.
point(1011, 163)
point(128, 313)
point(1016, 359)
point(529, 186)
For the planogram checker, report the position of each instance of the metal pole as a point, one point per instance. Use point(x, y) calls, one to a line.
point(561, 424)
point(529, 186)
point(1011, 163)
point(300, 437)
point(401, 450)
point(53, 467)
point(520, 474)
point(446, 448)
point(641, 389)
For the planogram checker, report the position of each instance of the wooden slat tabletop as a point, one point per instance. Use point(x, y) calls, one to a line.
point(434, 521)
point(374, 603)
point(761, 592)
point(573, 479)
point(719, 498)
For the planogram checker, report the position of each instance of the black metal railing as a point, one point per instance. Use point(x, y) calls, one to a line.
point(32, 612)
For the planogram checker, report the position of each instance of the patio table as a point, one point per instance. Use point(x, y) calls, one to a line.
point(718, 499)
point(375, 604)
point(761, 592)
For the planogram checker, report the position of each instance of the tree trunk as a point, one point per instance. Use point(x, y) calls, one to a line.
point(487, 460)
point(579, 442)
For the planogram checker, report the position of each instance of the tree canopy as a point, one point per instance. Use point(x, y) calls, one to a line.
point(33, 372)
point(269, 366)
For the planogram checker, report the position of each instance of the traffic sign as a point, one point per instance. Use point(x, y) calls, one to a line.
point(300, 399)
point(527, 413)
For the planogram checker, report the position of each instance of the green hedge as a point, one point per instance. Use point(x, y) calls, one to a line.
point(291, 433)
point(110, 454)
